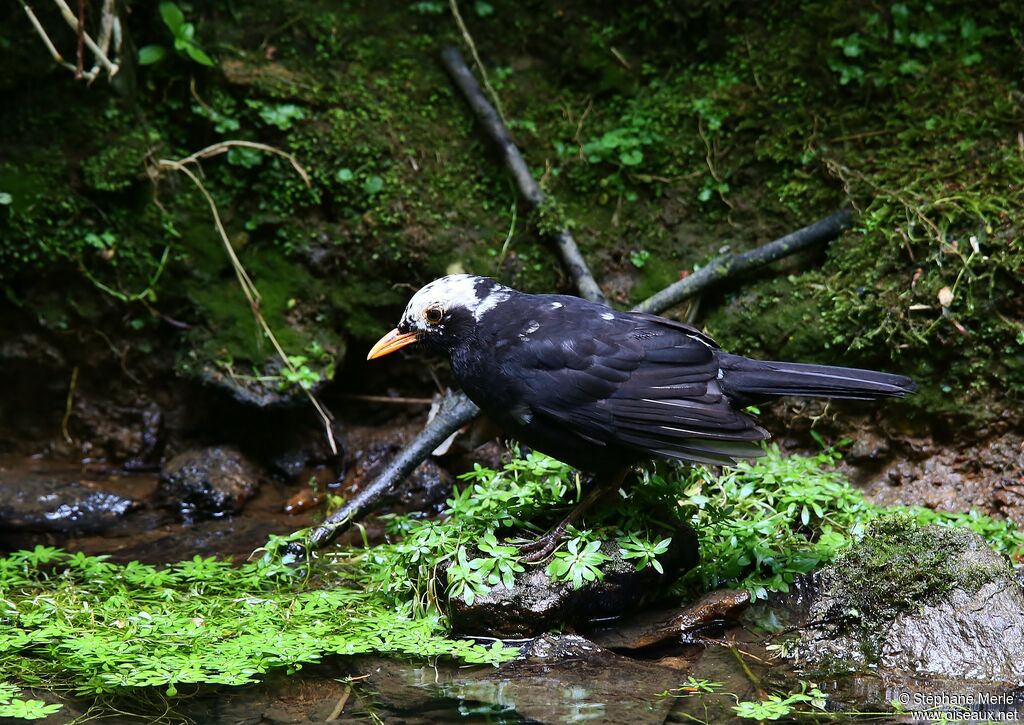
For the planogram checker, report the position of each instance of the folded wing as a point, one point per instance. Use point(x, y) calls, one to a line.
point(643, 383)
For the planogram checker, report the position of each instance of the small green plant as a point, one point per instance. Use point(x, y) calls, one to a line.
point(778, 706)
point(580, 562)
point(427, 7)
point(503, 564)
point(183, 34)
point(301, 373)
point(14, 707)
point(694, 686)
point(645, 551)
point(280, 115)
point(466, 578)
point(906, 44)
point(639, 258)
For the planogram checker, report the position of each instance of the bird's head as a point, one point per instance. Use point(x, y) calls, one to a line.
point(443, 313)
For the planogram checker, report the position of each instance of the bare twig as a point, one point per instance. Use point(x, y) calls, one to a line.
point(340, 706)
point(396, 400)
point(514, 162)
point(68, 406)
point(80, 51)
point(41, 31)
point(252, 294)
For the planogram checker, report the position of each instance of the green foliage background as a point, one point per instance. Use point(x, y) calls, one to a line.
point(664, 131)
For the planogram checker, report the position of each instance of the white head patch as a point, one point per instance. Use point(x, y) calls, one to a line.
point(476, 294)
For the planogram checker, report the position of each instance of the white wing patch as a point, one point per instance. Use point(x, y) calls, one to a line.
point(529, 330)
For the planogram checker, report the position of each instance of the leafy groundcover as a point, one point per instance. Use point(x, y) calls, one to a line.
point(96, 629)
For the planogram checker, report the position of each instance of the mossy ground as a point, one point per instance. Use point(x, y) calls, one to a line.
point(664, 132)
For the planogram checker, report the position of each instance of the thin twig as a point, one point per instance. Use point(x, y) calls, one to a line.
point(46, 38)
point(396, 400)
point(531, 192)
point(508, 237)
point(249, 289)
point(476, 58)
point(223, 146)
point(80, 52)
point(68, 405)
point(340, 707)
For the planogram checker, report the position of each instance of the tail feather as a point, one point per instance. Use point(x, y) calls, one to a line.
point(743, 377)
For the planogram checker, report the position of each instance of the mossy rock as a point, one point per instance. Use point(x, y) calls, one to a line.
point(916, 599)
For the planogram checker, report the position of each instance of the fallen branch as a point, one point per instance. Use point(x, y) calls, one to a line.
point(455, 411)
point(729, 266)
point(569, 252)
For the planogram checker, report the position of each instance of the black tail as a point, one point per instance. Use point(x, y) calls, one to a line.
point(744, 378)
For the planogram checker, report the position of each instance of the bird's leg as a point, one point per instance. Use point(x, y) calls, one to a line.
point(537, 551)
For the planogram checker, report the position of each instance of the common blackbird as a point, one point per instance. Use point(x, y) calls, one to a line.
point(601, 389)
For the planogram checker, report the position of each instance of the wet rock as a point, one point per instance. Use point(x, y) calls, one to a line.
point(868, 447)
point(371, 448)
point(261, 392)
point(33, 503)
point(921, 600)
point(536, 603)
point(680, 626)
point(985, 476)
point(209, 481)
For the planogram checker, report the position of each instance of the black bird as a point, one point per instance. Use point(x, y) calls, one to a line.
point(601, 389)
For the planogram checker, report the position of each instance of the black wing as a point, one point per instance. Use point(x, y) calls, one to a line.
point(636, 381)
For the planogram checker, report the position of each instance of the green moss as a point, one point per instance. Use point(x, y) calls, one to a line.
point(900, 566)
point(289, 300)
point(121, 164)
point(658, 136)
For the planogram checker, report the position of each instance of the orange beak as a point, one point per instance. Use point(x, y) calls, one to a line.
point(392, 341)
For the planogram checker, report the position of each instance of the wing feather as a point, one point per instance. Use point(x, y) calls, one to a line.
point(641, 382)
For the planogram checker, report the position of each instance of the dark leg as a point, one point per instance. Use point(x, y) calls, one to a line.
point(537, 551)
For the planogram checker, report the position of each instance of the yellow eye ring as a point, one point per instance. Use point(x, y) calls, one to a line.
point(433, 315)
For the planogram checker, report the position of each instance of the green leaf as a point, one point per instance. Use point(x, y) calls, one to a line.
point(373, 185)
point(197, 54)
point(631, 157)
point(172, 15)
point(150, 54)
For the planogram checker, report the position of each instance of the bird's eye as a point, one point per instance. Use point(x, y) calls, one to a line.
point(433, 315)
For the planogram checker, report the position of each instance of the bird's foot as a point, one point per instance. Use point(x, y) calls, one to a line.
point(536, 551)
